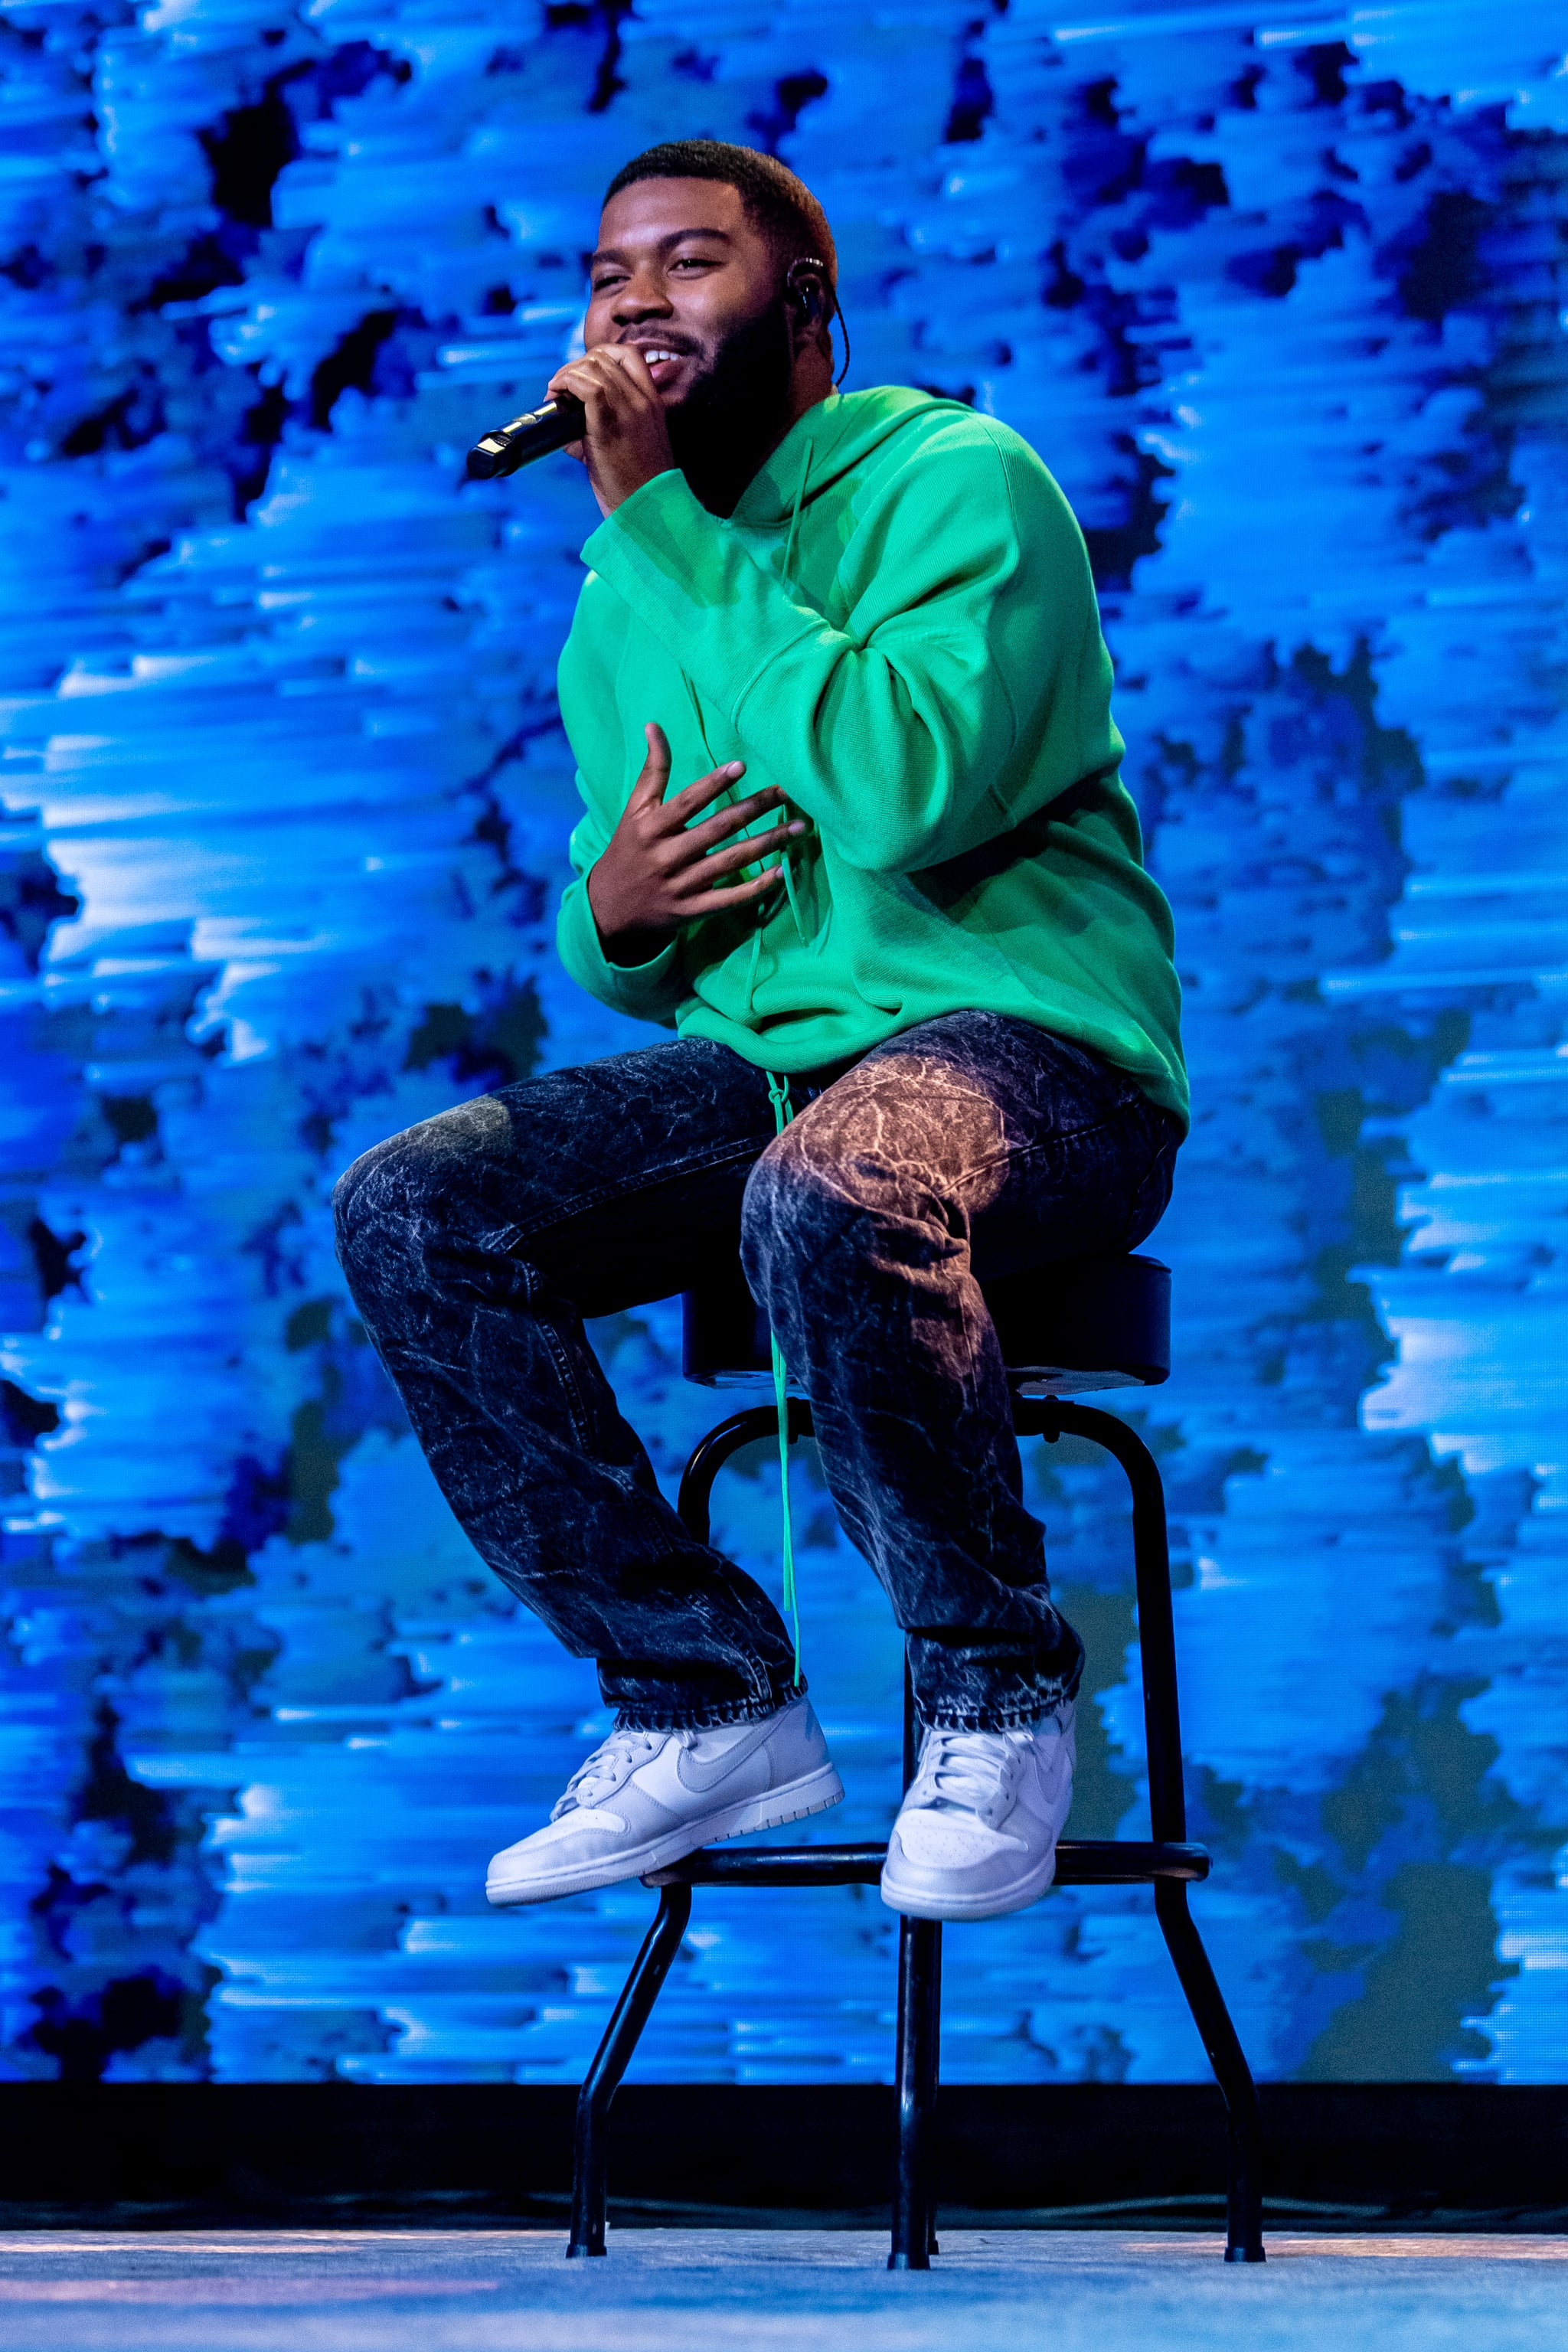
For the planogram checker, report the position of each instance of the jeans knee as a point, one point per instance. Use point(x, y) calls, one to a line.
point(417, 1189)
point(792, 1216)
point(346, 1193)
point(370, 1205)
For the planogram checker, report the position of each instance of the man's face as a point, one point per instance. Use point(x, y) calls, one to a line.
point(681, 272)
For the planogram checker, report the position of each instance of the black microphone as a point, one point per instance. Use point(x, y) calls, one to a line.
point(533, 434)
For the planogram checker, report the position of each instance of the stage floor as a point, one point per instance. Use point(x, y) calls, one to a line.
point(800, 2291)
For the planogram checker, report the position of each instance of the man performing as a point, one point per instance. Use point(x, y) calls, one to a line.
point(923, 926)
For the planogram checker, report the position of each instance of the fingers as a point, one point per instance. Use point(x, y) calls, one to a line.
point(626, 438)
point(630, 362)
point(683, 805)
point(692, 797)
point(692, 858)
point(746, 852)
point(614, 377)
point(655, 774)
point(737, 894)
point(726, 821)
point(610, 397)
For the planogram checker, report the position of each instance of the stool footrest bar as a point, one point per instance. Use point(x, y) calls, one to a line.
point(775, 1866)
point(1093, 1862)
point(1080, 1862)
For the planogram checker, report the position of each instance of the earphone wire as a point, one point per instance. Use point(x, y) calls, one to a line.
point(838, 314)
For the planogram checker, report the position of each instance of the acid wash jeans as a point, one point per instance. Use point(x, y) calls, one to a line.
point(476, 1244)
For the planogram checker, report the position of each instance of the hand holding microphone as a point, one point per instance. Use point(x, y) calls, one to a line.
point(605, 408)
point(535, 434)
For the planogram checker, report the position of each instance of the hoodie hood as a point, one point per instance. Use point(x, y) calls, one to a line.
point(841, 432)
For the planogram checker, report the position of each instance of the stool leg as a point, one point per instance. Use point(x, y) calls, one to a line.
point(1168, 1819)
point(590, 2156)
point(918, 2043)
point(1244, 2230)
point(930, 2075)
point(919, 2033)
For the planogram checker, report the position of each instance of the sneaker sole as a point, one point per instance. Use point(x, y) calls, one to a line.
point(916, 1905)
point(815, 1792)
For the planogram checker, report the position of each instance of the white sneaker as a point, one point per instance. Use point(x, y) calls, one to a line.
point(646, 1798)
point(976, 1835)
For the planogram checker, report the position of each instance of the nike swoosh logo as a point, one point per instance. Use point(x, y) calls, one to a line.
point(693, 1773)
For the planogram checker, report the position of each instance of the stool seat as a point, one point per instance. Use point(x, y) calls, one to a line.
point(1067, 1328)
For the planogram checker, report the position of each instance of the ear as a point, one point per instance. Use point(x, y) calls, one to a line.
point(809, 307)
point(807, 288)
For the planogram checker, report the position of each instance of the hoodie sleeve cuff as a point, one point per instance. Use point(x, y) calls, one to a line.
point(656, 521)
point(647, 992)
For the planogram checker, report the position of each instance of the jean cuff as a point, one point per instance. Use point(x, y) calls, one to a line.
point(711, 1717)
point(1021, 1714)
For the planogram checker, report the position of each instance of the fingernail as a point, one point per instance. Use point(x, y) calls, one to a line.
point(797, 826)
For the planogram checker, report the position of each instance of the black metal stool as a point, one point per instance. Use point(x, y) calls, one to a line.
point(1087, 1325)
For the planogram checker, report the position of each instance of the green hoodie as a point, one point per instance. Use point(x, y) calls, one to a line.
point(897, 628)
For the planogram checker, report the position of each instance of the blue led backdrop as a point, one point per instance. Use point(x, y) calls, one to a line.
point(285, 799)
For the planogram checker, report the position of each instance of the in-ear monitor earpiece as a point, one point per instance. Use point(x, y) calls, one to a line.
point(816, 298)
point(805, 279)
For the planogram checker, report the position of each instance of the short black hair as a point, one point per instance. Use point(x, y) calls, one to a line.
point(781, 206)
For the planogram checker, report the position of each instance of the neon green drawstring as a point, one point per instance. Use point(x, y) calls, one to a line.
point(784, 855)
point(784, 1112)
point(794, 511)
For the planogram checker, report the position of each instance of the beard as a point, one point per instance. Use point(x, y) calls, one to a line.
point(737, 411)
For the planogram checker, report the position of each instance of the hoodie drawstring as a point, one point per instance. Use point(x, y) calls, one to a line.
point(784, 1112)
point(785, 868)
point(794, 511)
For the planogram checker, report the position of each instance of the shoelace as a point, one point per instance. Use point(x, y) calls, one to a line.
point(614, 1761)
point(967, 1770)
